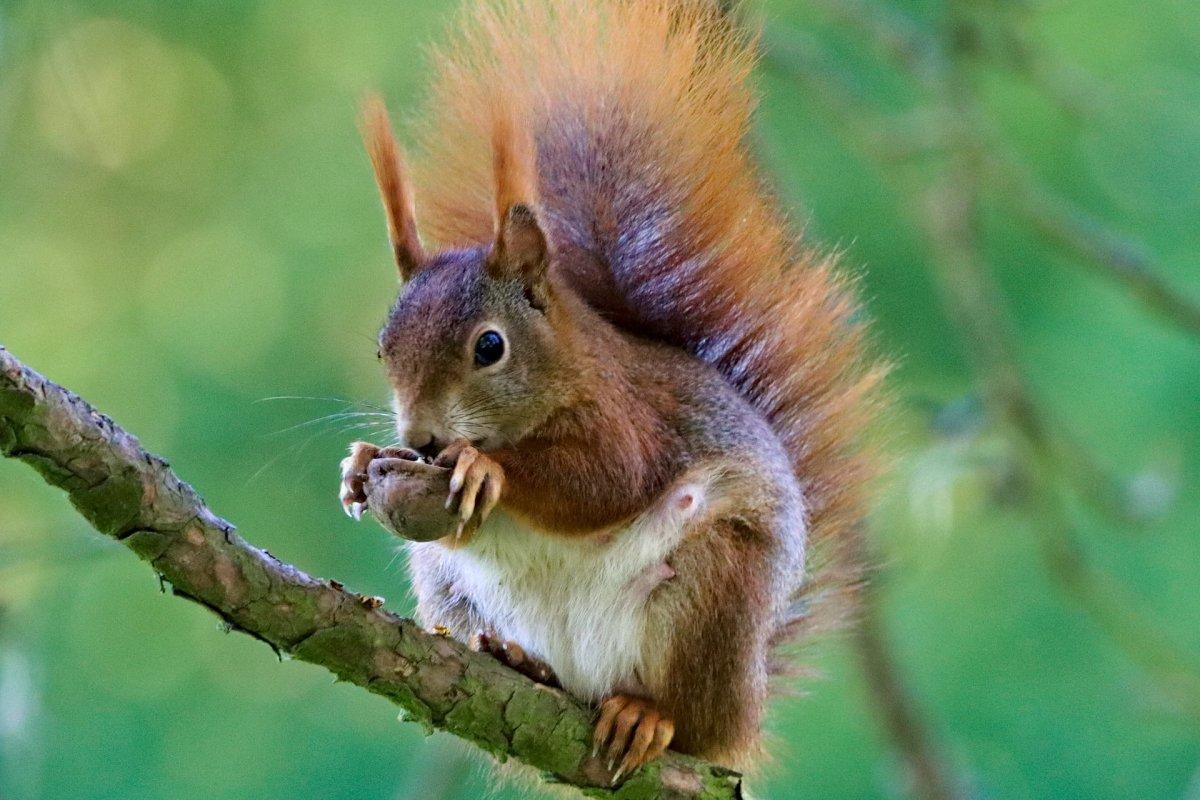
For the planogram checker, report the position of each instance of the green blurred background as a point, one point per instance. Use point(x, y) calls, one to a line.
point(188, 229)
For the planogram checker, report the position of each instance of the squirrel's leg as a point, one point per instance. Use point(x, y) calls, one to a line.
point(704, 657)
point(439, 605)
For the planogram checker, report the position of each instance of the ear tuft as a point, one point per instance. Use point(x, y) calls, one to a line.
point(387, 160)
point(514, 164)
point(521, 249)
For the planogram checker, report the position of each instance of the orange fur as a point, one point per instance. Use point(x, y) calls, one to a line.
point(638, 112)
point(387, 160)
point(513, 166)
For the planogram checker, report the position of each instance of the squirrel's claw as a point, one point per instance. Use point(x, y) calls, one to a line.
point(475, 485)
point(466, 457)
point(353, 470)
point(347, 501)
point(491, 496)
point(631, 732)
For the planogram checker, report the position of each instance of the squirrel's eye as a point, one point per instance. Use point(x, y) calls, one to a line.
point(489, 348)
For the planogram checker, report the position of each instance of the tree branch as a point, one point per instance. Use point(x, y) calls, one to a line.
point(134, 497)
point(891, 30)
point(1119, 258)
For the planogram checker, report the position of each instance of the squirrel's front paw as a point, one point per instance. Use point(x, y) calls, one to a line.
point(354, 472)
point(475, 487)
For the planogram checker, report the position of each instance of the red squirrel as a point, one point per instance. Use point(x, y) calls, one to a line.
point(628, 398)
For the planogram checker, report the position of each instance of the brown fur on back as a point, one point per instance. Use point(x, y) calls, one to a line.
point(639, 112)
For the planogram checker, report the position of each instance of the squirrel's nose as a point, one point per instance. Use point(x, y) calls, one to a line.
point(417, 438)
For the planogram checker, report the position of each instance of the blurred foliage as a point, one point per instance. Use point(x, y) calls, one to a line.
point(189, 238)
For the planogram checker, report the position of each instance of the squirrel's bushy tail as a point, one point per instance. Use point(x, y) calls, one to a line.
point(640, 111)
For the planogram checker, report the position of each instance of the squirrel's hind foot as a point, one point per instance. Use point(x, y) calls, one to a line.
point(631, 732)
point(514, 656)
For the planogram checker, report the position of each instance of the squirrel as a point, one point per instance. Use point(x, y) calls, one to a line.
point(630, 402)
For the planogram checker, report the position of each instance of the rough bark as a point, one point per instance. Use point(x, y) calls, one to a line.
point(134, 497)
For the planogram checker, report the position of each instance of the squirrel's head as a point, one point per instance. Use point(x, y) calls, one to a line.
point(473, 346)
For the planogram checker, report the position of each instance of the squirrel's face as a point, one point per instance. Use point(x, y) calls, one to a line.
point(469, 346)
point(469, 351)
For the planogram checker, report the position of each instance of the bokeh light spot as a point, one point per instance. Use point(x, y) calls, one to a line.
point(107, 93)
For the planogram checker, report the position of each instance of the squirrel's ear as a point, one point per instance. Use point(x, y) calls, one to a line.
point(387, 159)
point(521, 252)
point(521, 249)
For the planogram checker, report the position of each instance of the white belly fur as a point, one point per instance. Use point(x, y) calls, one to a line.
point(578, 604)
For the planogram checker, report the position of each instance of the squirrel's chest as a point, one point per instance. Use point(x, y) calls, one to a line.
point(578, 604)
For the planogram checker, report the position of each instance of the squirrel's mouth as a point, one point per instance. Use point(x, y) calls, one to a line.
point(432, 450)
